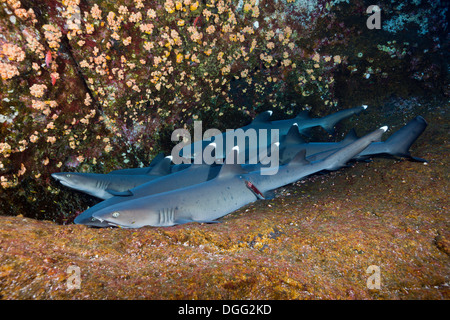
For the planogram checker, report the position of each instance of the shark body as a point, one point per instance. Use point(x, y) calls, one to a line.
point(191, 176)
point(230, 190)
point(262, 123)
point(104, 186)
point(397, 145)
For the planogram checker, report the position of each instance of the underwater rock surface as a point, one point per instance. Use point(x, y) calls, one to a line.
point(315, 240)
point(94, 86)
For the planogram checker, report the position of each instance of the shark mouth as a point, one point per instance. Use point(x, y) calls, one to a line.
point(112, 224)
point(64, 183)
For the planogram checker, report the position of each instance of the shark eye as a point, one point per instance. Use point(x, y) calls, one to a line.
point(116, 214)
point(68, 175)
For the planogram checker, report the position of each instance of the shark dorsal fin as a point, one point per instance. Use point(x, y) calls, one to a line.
point(303, 115)
point(231, 166)
point(157, 159)
point(300, 158)
point(162, 167)
point(263, 117)
point(350, 137)
point(231, 170)
point(293, 136)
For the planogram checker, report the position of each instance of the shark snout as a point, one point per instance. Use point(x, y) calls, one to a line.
point(63, 178)
point(57, 176)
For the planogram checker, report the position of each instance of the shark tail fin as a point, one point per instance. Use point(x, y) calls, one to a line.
point(162, 168)
point(398, 144)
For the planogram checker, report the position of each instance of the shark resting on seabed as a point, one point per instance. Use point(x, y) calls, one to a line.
point(118, 182)
point(230, 190)
point(133, 187)
point(397, 144)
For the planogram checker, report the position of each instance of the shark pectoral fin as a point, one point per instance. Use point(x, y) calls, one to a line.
point(183, 221)
point(206, 221)
point(417, 159)
point(410, 157)
point(126, 193)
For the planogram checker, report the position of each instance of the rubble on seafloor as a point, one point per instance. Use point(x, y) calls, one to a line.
point(316, 240)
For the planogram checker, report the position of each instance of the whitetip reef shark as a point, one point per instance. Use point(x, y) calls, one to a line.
point(105, 186)
point(230, 190)
point(397, 145)
point(193, 175)
point(262, 121)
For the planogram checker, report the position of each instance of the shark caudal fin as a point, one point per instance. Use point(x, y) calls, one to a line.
point(399, 142)
point(340, 158)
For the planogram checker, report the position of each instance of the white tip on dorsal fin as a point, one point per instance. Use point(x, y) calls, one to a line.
point(364, 106)
point(384, 128)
